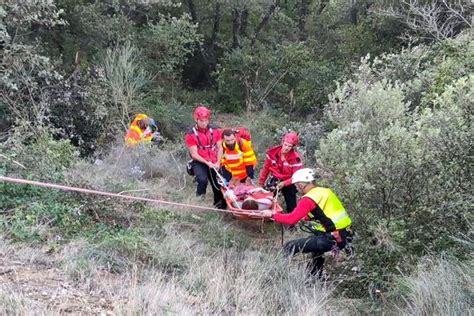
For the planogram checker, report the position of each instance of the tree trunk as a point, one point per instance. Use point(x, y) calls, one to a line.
point(192, 11)
point(244, 22)
point(236, 24)
point(322, 6)
point(216, 25)
point(265, 19)
point(304, 11)
point(353, 12)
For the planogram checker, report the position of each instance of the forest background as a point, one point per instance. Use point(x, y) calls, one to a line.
point(381, 93)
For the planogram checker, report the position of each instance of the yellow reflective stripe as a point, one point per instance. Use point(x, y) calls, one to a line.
point(341, 216)
point(249, 154)
point(136, 129)
point(236, 160)
point(340, 222)
point(250, 161)
point(233, 165)
point(131, 141)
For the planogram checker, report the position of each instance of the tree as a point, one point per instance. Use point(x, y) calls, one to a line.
point(431, 20)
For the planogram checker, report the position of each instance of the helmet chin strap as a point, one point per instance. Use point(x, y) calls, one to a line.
point(305, 185)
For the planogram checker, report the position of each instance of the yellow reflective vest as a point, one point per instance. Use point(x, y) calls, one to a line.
point(331, 207)
point(235, 160)
point(135, 134)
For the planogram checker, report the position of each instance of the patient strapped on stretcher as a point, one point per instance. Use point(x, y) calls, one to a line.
point(249, 197)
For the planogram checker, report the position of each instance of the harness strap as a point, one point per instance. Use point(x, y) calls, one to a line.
point(199, 140)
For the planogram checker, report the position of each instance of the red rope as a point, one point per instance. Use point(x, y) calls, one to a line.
point(129, 197)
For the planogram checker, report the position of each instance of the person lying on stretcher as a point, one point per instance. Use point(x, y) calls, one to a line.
point(249, 197)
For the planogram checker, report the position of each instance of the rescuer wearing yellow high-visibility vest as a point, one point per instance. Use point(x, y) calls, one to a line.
point(238, 158)
point(142, 130)
point(329, 221)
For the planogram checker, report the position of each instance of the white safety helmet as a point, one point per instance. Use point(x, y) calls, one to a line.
point(303, 175)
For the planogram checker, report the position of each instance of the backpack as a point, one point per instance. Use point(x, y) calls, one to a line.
point(242, 133)
point(189, 167)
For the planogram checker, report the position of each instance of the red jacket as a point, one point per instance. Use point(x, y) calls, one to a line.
point(282, 170)
point(205, 140)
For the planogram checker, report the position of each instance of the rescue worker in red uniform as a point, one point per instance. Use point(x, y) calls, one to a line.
point(203, 142)
point(330, 223)
point(238, 158)
point(280, 164)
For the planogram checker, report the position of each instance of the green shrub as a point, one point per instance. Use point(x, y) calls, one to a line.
point(403, 168)
point(23, 150)
point(252, 78)
point(118, 249)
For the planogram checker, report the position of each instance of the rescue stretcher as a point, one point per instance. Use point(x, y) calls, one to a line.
point(236, 197)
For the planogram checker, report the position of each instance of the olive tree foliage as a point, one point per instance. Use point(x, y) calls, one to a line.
point(399, 154)
point(37, 95)
point(446, 131)
point(30, 82)
point(407, 167)
point(259, 78)
point(296, 57)
point(430, 20)
point(169, 43)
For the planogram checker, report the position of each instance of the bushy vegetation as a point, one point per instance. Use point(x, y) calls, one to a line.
point(401, 163)
point(382, 101)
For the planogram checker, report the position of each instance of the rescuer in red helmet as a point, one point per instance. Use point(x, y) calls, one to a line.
point(203, 142)
point(280, 164)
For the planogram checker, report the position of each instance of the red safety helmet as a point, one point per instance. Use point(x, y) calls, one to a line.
point(292, 138)
point(201, 113)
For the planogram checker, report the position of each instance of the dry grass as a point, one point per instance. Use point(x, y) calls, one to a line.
point(227, 282)
point(190, 276)
point(17, 303)
point(440, 287)
point(12, 300)
point(32, 283)
point(201, 263)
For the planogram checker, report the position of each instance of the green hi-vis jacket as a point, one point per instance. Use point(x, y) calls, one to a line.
point(331, 207)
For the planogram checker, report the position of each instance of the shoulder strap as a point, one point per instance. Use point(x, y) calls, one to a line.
point(212, 135)
point(239, 142)
point(200, 146)
point(197, 138)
